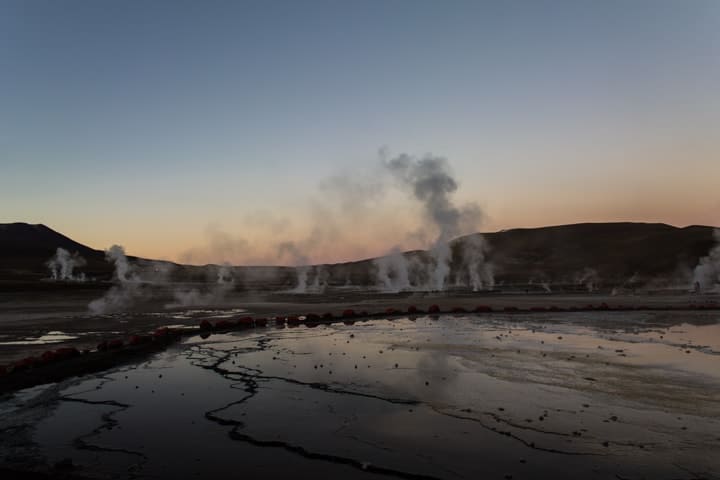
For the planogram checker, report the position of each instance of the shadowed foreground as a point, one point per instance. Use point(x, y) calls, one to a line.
point(551, 395)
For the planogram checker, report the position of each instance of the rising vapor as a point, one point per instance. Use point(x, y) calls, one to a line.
point(706, 275)
point(63, 263)
point(430, 181)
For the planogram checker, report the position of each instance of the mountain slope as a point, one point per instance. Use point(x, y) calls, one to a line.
point(608, 253)
point(24, 249)
point(615, 251)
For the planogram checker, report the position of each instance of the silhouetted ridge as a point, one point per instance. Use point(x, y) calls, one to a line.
point(611, 253)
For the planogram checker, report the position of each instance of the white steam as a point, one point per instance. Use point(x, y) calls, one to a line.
point(125, 292)
point(392, 272)
point(588, 278)
point(430, 181)
point(224, 283)
point(63, 263)
point(706, 275)
point(473, 263)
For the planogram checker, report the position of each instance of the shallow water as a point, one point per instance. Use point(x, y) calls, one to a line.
point(47, 339)
point(574, 395)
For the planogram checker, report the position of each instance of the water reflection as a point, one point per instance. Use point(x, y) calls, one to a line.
point(561, 396)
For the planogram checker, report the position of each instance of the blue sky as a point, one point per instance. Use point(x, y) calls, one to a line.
point(146, 123)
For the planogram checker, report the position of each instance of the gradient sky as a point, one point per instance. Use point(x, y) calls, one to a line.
point(204, 130)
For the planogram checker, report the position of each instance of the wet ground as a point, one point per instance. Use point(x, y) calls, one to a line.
point(614, 395)
point(31, 321)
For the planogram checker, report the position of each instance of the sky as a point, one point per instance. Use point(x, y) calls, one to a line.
point(206, 131)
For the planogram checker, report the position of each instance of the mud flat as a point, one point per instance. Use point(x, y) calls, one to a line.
point(31, 321)
point(544, 395)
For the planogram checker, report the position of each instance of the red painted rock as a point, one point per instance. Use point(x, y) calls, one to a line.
point(511, 309)
point(434, 309)
point(63, 353)
point(115, 344)
point(67, 352)
point(205, 325)
point(245, 322)
point(412, 309)
point(47, 357)
point(391, 311)
point(348, 313)
point(139, 340)
point(102, 346)
point(224, 325)
point(483, 308)
point(311, 317)
point(25, 363)
point(161, 332)
point(327, 316)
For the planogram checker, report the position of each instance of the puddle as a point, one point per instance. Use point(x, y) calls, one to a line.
point(558, 396)
point(47, 339)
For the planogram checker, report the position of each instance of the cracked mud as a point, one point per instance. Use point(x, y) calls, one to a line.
point(573, 395)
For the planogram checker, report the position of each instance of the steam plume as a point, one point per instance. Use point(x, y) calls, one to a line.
point(589, 278)
point(224, 283)
point(125, 292)
point(431, 183)
point(706, 274)
point(63, 263)
point(392, 271)
point(300, 261)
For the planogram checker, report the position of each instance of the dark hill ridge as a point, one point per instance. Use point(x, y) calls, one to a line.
point(26, 240)
point(609, 253)
point(24, 249)
point(615, 251)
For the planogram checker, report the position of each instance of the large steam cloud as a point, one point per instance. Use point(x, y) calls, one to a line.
point(355, 202)
point(431, 183)
point(347, 204)
point(135, 282)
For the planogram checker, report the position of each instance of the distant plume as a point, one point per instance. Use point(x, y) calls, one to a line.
point(63, 263)
point(706, 275)
point(392, 271)
point(224, 283)
point(589, 278)
point(126, 292)
point(473, 263)
point(116, 255)
point(299, 260)
point(431, 183)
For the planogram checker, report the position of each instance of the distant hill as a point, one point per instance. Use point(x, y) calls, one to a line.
point(603, 253)
point(24, 249)
point(614, 251)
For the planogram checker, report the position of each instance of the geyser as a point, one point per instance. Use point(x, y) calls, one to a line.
point(430, 182)
point(63, 263)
